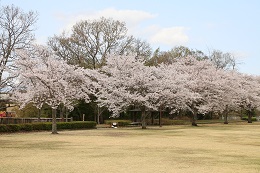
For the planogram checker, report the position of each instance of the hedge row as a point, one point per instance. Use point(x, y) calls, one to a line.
point(246, 118)
point(47, 126)
point(120, 123)
point(164, 121)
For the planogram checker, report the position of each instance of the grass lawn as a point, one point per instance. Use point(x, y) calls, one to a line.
point(232, 148)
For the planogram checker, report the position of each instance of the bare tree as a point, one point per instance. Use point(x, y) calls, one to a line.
point(92, 40)
point(138, 48)
point(178, 52)
point(16, 32)
point(223, 60)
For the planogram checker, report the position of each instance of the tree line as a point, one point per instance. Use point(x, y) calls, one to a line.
point(99, 60)
point(186, 84)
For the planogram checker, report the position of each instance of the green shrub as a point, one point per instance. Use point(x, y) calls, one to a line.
point(82, 125)
point(120, 123)
point(179, 122)
point(76, 125)
point(47, 126)
point(26, 127)
point(86, 124)
point(42, 126)
point(13, 127)
point(3, 128)
point(246, 118)
point(166, 121)
point(64, 125)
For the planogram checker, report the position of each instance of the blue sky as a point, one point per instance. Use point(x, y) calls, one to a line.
point(226, 25)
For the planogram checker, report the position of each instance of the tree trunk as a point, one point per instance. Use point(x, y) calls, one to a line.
point(95, 118)
point(194, 117)
point(98, 112)
point(62, 113)
point(226, 116)
point(54, 122)
point(152, 114)
point(39, 114)
point(143, 119)
point(249, 120)
point(160, 118)
point(211, 115)
point(66, 115)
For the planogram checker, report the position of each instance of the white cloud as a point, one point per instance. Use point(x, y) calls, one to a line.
point(240, 55)
point(137, 22)
point(170, 36)
point(131, 17)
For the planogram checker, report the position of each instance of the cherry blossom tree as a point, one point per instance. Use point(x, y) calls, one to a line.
point(221, 90)
point(200, 87)
point(231, 91)
point(127, 81)
point(186, 84)
point(45, 79)
point(198, 83)
point(228, 97)
point(249, 94)
point(170, 87)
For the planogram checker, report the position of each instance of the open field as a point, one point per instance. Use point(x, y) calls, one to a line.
point(179, 149)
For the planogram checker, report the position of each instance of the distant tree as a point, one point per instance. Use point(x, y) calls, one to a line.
point(91, 41)
point(16, 32)
point(44, 79)
point(223, 60)
point(175, 53)
point(184, 52)
point(28, 111)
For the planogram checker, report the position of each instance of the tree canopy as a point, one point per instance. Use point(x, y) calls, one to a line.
point(91, 41)
point(43, 78)
point(16, 32)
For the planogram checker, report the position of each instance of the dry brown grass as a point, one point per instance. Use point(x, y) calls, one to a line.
point(178, 149)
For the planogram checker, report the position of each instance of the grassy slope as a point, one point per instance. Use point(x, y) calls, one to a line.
point(178, 149)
